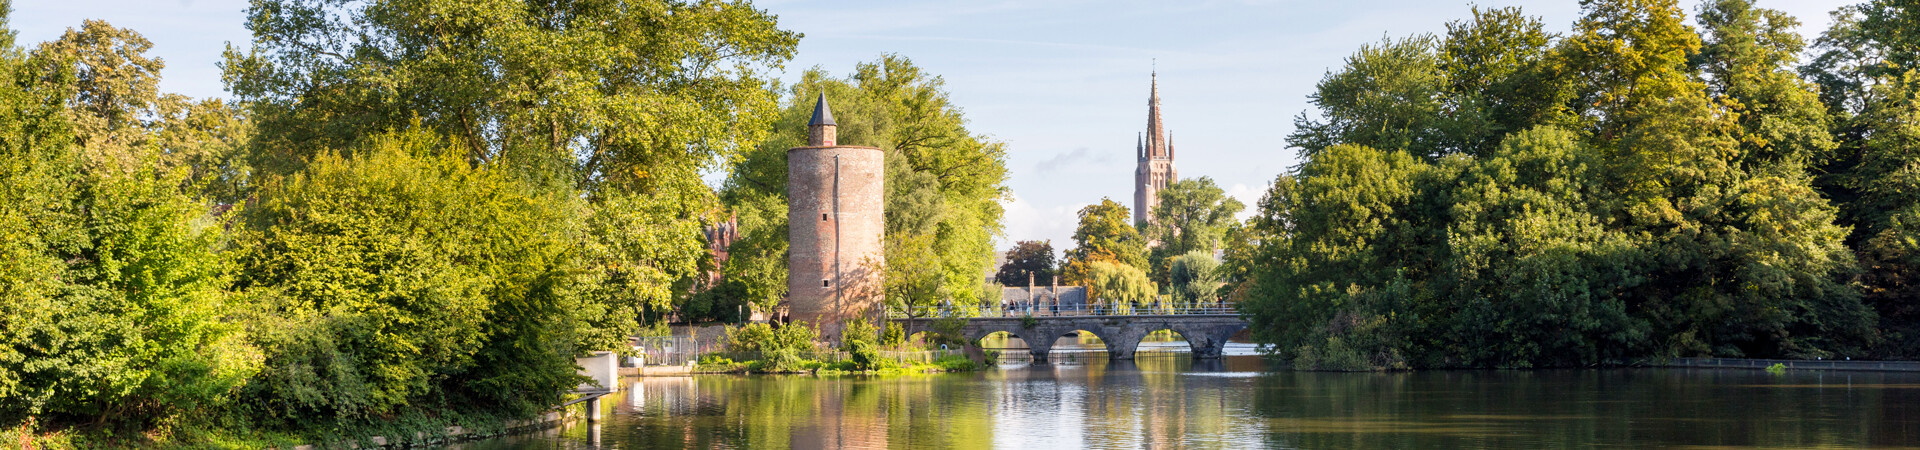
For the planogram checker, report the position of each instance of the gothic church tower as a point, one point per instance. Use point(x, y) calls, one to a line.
point(1155, 153)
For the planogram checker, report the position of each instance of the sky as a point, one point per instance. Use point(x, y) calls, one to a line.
point(1063, 83)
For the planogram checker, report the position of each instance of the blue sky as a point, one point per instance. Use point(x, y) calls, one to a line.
point(1064, 83)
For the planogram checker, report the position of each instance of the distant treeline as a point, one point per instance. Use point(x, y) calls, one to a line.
point(1638, 187)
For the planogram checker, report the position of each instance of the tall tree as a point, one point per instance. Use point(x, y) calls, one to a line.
point(1193, 215)
point(1661, 208)
point(1748, 60)
point(1104, 234)
point(1027, 261)
point(944, 182)
point(623, 103)
point(113, 307)
point(123, 122)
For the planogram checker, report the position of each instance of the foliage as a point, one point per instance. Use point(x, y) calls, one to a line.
point(893, 336)
point(760, 337)
point(112, 286)
point(859, 330)
point(955, 363)
point(1028, 261)
point(325, 74)
point(1193, 216)
point(944, 182)
point(1119, 285)
point(123, 122)
point(1104, 234)
point(1658, 203)
point(1194, 277)
point(378, 277)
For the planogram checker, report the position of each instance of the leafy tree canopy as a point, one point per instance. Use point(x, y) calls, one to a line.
point(1028, 261)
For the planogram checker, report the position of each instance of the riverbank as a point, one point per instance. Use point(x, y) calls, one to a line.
point(919, 362)
point(1793, 364)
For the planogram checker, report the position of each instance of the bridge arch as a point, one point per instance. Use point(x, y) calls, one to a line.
point(1205, 334)
point(1175, 335)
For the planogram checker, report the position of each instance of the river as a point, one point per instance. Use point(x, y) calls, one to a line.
point(1166, 400)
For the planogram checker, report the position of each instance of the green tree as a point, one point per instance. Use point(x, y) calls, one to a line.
point(1103, 235)
point(1885, 208)
point(1531, 270)
point(1500, 76)
point(1028, 261)
point(123, 122)
point(624, 104)
point(944, 182)
point(1747, 61)
point(325, 74)
point(1662, 209)
point(1119, 285)
point(114, 310)
point(1193, 215)
point(915, 278)
point(1195, 277)
point(1390, 95)
point(1330, 269)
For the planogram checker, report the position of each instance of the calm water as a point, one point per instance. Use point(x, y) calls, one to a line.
point(1169, 400)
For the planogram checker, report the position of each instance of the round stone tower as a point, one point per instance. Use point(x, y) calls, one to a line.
point(836, 197)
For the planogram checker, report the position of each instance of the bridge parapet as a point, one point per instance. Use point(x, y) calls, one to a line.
point(1206, 334)
point(1017, 311)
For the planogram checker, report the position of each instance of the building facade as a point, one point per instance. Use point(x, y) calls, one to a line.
point(1155, 154)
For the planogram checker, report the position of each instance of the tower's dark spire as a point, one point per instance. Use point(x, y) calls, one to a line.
point(822, 115)
point(1156, 139)
point(1140, 146)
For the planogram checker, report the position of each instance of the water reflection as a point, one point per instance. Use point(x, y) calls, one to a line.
point(1235, 402)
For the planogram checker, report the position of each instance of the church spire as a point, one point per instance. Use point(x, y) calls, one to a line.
point(1156, 139)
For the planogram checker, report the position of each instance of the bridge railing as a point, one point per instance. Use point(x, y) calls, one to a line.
point(943, 312)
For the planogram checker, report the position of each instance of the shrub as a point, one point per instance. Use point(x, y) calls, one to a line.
point(895, 336)
point(403, 277)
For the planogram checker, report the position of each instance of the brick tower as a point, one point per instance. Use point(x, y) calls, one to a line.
point(835, 215)
point(1155, 153)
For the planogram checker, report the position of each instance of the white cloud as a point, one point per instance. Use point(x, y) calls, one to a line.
point(1026, 221)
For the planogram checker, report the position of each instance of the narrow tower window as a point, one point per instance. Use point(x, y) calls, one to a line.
point(826, 283)
point(823, 217)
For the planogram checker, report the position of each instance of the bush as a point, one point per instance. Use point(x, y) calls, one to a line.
point(765, 339)
point(403, 277)
point(954, 363)
point(858, 331)
point(895, 336)
point(866, 356)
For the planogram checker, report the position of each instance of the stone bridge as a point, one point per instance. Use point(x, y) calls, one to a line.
point(1206, 333)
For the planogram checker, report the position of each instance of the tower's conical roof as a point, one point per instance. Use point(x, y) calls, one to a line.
point(822, 115)
point(1156, 136)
